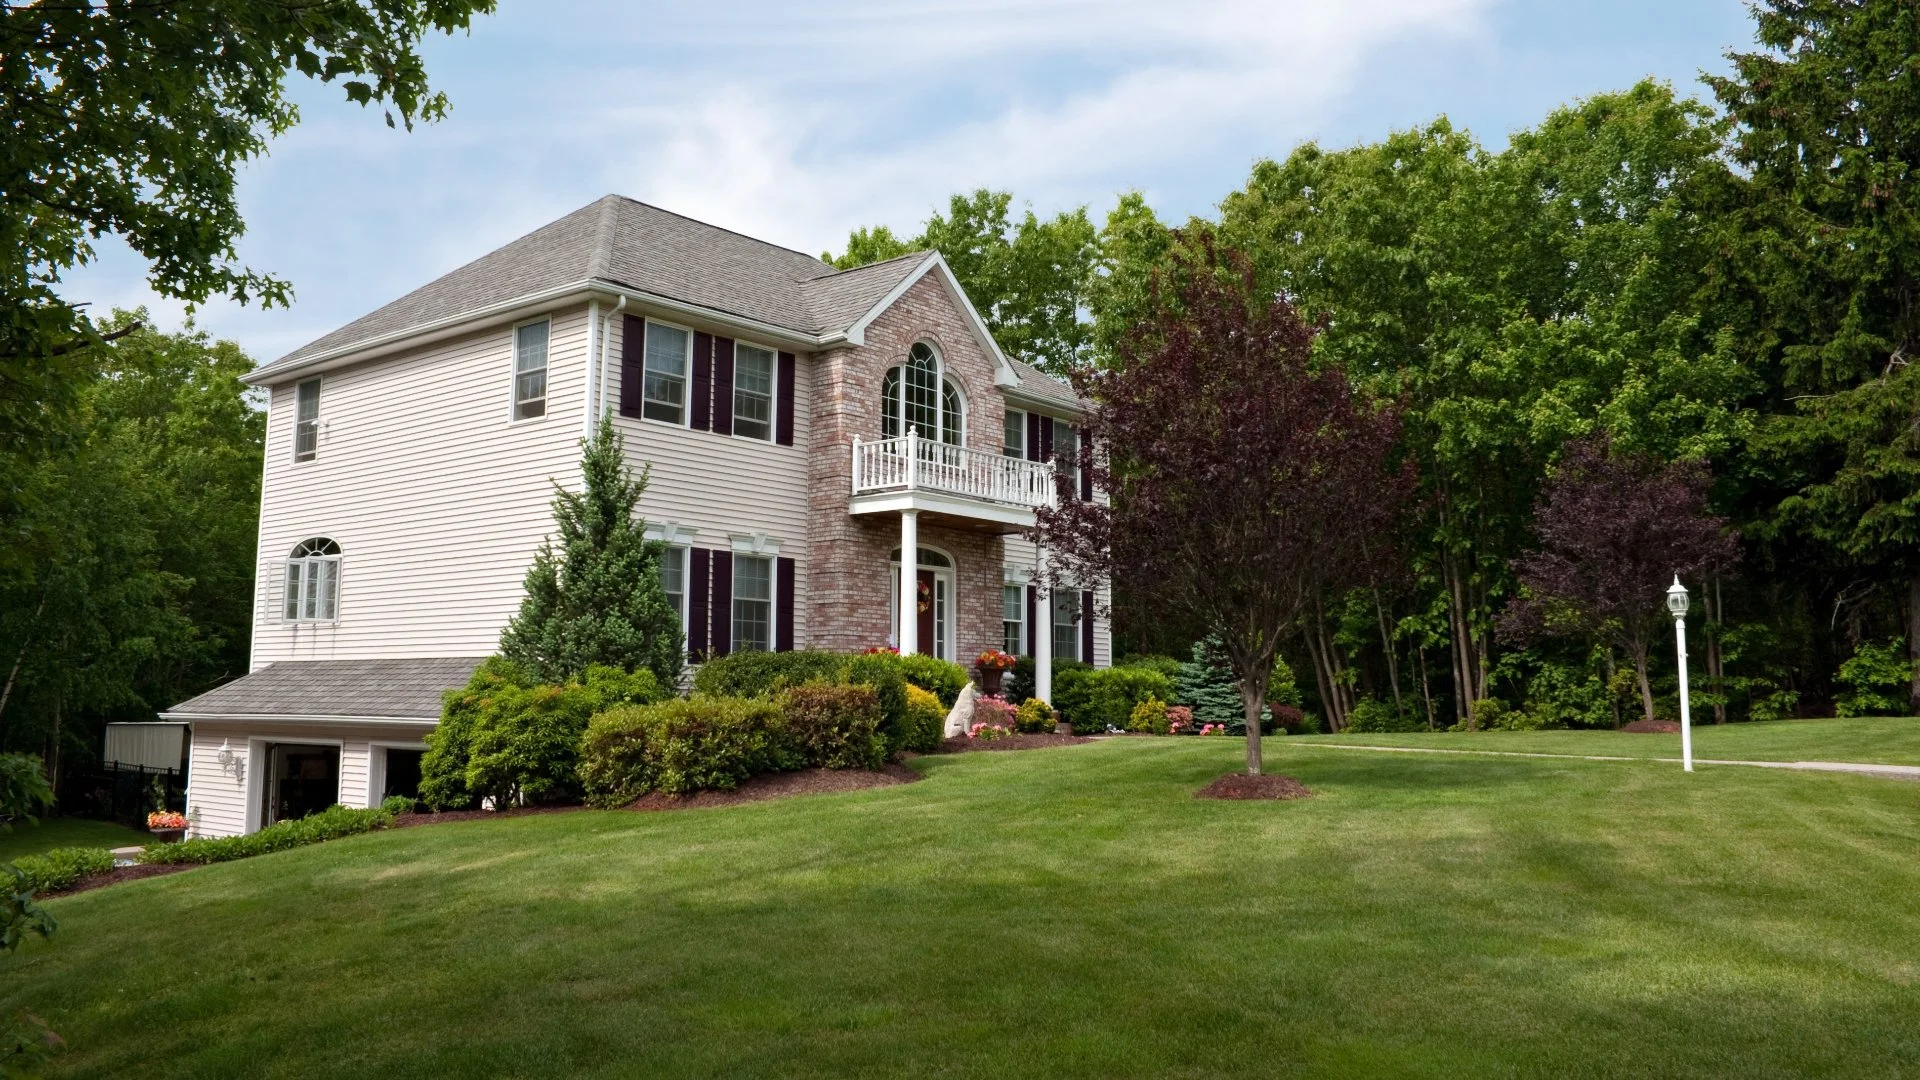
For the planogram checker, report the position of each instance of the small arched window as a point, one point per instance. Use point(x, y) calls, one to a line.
point(918, 395)
point(313, 582)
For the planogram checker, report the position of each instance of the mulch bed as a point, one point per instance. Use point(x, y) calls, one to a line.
point(1264, 786)
point(402, 821)
point(781, 785)
point(960, 744)
point(115, 876)
point(1653, 727)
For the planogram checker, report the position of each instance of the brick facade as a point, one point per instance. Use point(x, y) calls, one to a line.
point(849, 564)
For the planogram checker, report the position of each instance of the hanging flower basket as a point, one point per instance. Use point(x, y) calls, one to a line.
point(167, 826)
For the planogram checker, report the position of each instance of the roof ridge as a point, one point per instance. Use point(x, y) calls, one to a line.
point(722, 228)
point(603, 249)
point(836, 272)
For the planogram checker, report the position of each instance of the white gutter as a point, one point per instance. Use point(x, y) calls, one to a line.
point(587, 369)
point(275, 718)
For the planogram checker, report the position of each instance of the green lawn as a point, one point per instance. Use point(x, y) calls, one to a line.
point(1068, 912)
point(1875, 740)
point(66, 832)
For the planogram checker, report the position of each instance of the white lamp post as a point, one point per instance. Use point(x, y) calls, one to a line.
point(1677, 603)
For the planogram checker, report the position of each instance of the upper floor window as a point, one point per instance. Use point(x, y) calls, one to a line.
point(306, 420)
point(1066, 450)
point(664, 387)
point(1013, 434)
point(753, 369)
point(313, 582)
point(918, 395)
point(752, 603)
point(530, 370)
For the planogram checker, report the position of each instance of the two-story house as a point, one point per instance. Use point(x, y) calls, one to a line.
point(810, 432)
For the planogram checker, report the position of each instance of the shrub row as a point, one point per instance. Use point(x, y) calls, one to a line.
point(907, 722)
point(705, 742)
point(1095, 699)
point(61, 867)
point(328, 824)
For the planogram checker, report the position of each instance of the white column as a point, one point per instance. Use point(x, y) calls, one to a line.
point(1042, 630)
point(909, 582)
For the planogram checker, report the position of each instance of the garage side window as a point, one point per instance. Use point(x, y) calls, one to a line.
point(313, 582)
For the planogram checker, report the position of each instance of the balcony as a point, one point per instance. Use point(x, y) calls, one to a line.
point(912, 473)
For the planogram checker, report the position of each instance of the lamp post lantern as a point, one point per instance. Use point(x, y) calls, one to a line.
point(1677, 603)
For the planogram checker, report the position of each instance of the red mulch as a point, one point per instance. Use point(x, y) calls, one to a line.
point(960, 744)
point(116, 875)
point(1242, 786)
point(1653, 727)
point(781, 785)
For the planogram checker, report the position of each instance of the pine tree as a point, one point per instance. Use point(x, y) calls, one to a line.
point(598, 598)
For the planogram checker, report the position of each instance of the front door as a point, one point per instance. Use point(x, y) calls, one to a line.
point(929, 622)
point(301, 780)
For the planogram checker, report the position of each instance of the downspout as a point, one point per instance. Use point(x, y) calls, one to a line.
point(606, 332)
point(587, 397)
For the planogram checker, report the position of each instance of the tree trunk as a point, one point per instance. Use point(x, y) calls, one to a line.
point(1639, 656)
point(1319, 674)
point(1386, 646)
point(1253, 694)
point(1426, 691)
point(1469, 689)
point(1913, 643)
point(1613, 700)
point(13, 673)
point(1715, 673)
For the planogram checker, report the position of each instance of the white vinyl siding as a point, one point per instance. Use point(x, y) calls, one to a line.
point(530, 370)
point(752, 603)
point(439, 505)
point(1020, 553)
point(664, 387)
point(224, 799)
point(753, 369)
point(306, 436)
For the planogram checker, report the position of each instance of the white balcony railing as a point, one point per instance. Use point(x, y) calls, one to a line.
point(911, 463)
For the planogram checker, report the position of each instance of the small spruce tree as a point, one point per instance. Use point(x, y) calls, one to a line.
point(597, 599)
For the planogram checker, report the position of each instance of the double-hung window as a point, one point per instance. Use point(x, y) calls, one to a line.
point(530, 370)
point(753, 369)
point(1013, 617)
point(1066, 625)
point(752, 603)
point(1066, 451)
point(306, 420)
point(313, 582)
point(1013, 438)
point(664, 387)
point(673, 580)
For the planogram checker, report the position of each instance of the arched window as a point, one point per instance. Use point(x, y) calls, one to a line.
point(313, 582)
point(918, 395)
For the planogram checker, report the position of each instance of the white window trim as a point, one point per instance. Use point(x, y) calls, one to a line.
point(758, 543)
point(513, 373)
point(319, 419)
point(941, 382)
point(1022, 414)
point(773, 597)
point(686, 405)
point(773, 394)
point(286, 572)
point(676, 536)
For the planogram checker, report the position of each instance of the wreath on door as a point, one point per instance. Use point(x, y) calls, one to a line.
point(926, 596)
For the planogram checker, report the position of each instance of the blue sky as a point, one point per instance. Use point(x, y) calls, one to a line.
point(796, 122)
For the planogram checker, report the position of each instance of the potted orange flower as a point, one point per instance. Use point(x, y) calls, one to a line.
point(167, 825)
point(992, 666)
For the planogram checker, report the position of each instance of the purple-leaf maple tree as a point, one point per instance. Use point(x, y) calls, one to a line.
point(1614, 529)
point(1241, 478)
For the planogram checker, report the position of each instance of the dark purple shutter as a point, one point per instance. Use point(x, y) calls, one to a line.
point(783, 606)
point(1086, 625)
point(722, 386)
point(783, 400)
point(697, 560)
point(1033, 627)
point(633, 363)
point(720, 634)
point(1046, 439)
point(1086, 474)
point(700, 401)
point(1033, 437)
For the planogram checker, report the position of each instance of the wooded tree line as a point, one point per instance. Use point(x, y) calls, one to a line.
point(1727, 284)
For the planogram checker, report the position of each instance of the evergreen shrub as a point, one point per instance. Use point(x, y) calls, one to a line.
point(764, 674)
point(1035, 717)
point(1096, 699)
point(1374, 715)
point(926, 721)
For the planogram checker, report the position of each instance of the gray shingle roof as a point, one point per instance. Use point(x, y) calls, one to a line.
point(1041, 386)
point(353, 688)
point(623, 242)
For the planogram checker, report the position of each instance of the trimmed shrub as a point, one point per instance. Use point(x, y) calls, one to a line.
point(926, 721)
point(941, 678)
point(831, 726)
point(1290, 719)
point(508, 739)
point(399, 804)
point(1019, 683)
point(329, 824)
point(1165, 665)
point(1150, 716)
point(881, 671)
point(1036, 717)
point(678, 747)
point(1096, 699)
point(764, 674)
point(1180, 720)
point(61, 867)
point(1374, 715)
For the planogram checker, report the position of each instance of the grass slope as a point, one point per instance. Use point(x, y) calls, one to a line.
point(66, 832)
point(1066, 912)
point(1877, 740)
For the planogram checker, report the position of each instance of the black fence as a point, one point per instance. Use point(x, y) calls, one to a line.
point(120, 792)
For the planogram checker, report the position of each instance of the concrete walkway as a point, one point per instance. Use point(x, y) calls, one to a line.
point(1889, 772)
